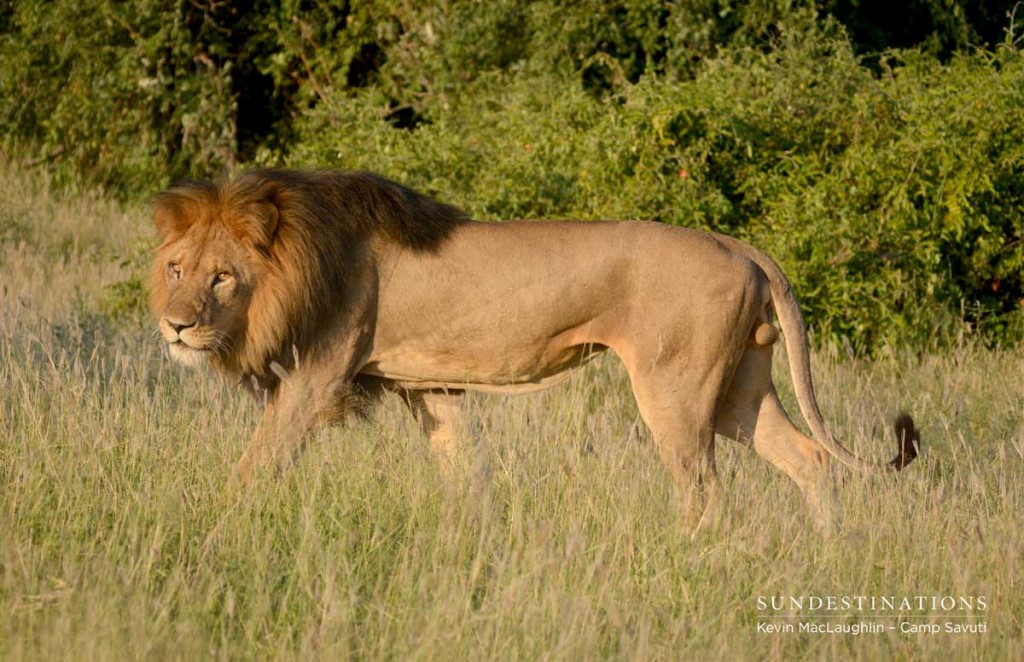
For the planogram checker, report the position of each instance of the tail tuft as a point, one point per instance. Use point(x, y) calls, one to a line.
point(909, 440)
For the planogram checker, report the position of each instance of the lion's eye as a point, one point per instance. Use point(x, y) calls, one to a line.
point(175, 269)
point(221, 277)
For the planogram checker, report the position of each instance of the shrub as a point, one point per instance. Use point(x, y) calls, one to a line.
point(894, 202)
point(130, 95)
point(890, 193)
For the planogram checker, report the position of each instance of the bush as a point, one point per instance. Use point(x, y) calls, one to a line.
point(124, 94)
point(895, 203)
point(134, 95)
point(891, 193)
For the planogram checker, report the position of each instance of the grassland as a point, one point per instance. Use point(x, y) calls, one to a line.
point(122, 537)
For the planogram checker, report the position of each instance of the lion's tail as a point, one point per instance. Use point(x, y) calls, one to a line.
point(795, 333)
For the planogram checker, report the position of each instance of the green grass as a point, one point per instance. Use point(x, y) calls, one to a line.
point(122, 537)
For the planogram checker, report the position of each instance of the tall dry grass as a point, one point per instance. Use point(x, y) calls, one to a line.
point(121, 536)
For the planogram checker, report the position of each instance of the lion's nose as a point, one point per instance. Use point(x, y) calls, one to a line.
point(178, 325)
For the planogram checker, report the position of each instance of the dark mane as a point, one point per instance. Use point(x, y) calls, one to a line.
point(356, 204)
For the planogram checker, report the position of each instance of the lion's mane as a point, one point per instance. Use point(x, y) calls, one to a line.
point(307, 231)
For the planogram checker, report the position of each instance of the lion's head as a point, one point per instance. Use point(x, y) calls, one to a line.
point(249, 268)
point(208, 270)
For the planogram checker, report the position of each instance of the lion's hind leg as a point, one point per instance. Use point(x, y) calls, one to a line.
point(678, 405)
point(681, 371)
point(752, 414)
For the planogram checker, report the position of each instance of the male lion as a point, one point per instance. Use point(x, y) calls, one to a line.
point(313, 288)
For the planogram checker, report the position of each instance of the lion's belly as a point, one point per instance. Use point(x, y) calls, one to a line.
point(497, 368)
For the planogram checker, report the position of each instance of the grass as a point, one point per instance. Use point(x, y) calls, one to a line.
point(122, 537)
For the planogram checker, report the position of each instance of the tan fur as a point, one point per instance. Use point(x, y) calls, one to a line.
point(318, 289)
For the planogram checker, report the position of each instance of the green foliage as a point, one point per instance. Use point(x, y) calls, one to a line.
point(124, 92)
point(888, 200)
point(891, 193)
point(133, 95)
point(124, 300)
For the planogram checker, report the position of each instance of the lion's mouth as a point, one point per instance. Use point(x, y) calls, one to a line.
point(181, 344)
point(187, 354)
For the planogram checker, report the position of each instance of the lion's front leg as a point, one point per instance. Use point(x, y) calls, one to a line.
point(265, 441)
point(459, 452)
point(301, 403)
point(441, 419)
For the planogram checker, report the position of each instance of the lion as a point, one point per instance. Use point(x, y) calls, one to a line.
point(316, 289)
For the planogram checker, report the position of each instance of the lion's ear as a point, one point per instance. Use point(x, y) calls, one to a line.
point(169, 224)
point(257, 226)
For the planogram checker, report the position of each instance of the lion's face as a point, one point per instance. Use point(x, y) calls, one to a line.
point(205, 282)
